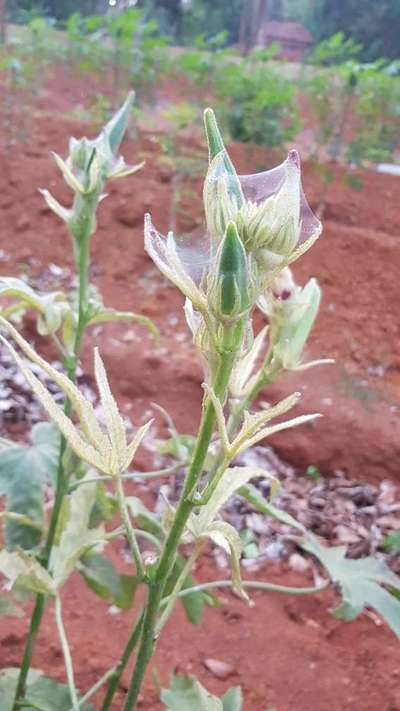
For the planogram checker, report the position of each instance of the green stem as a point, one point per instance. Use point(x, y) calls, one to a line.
point(133, 544)
point(256, 585)
point(184, 509)
point(178, 586)
point(93, 689)
point(67, 655)
point(168, 471)
point(61, 483)
point(120, 668)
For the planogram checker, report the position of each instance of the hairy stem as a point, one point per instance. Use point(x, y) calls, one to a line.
point(178, 586)
point(133, 544)
point(256, 585)
point(121, 666)
point(67, 654)
point(93, 689)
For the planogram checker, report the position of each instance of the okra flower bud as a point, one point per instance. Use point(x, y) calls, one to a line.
point(229, 288)
point(269, 209)
point(89, 165)
point(292, 311)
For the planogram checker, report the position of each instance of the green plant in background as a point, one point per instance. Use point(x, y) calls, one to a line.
point(259, 103)
point(377, 113)
point(331, 92)
point(136, 50)
point(356, 108)
point(257, 226)
point(12, 115)
point(336, 49)
point(201, 62)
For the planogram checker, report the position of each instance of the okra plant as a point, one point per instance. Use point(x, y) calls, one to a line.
point(256, 227)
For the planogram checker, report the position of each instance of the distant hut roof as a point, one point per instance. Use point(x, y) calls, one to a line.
point(294, 39)
point(286, 31)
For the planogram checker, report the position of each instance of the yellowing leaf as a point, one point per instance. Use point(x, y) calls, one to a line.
point(19, 568)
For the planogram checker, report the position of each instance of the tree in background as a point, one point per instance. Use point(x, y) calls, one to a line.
point(254, 15)
point(373, 24)
point(167, 13)
point(3, 21)
point(209, 18)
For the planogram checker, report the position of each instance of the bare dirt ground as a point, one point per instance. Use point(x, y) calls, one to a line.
point(286, 654)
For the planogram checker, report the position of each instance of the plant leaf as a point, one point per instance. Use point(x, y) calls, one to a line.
point(8, 685)
point(108, 314)
point(193, 603)
point(145, 519)
point(360, 582)
point(233, 699)
point(101, 576)
point(116, 127)
point(105, 506)
point(76, 538)
point(260, 503)
point(227, 537)
point(42, 691)
point(233, 480)
point(20, 569)
point(23, 472)
point(187, 693)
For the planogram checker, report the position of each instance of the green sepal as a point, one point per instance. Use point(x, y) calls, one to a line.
point(116, 127)
point(216, 146)
point(233, 273)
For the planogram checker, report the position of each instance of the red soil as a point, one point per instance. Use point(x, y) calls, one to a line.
point(286, 653)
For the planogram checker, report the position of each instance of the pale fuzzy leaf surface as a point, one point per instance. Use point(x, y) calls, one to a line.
point(164, 254)
point(360, 582)
point(254, 422)
point(63, 212)
point(19, 568)
point(83, 408)
point(268, 431)
point(11, 286)
point(135, 443)
point(84, 450)
point(233, 479)
point(186, 693)
point(76, 538)
point(227, 537)
point(107, 452)
point(220, 417)
point(68, 175)
point(114, 422)
point(44, 693)
point(241, 378)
